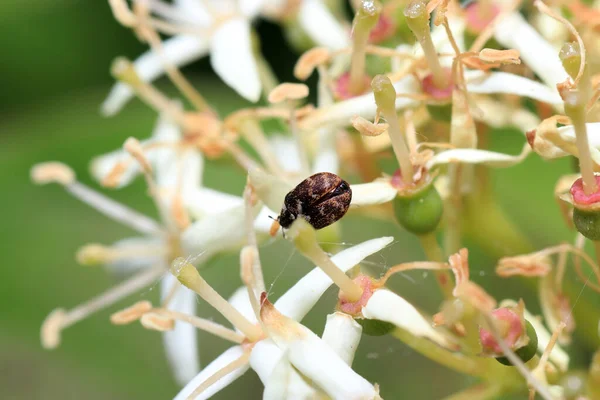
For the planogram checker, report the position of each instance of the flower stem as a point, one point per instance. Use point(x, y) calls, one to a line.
point(385, 97)
point(417, 19)
point(305, 239)
point(188, 275)
point(455, 361)
point(433, 252)
point(365, 19)
point(575, 110)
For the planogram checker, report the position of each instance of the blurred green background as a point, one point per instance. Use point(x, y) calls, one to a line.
point(54, 75)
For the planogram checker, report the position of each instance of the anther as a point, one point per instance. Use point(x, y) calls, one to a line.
point(52, 172)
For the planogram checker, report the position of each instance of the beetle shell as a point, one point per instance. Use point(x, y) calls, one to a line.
point(320, 199)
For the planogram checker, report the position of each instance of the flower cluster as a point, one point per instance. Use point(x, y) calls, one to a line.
point(424, 81)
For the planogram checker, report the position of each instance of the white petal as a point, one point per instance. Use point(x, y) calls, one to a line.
point(250, 8)
point(342, 333)
point(228, 356)
point(565, 139)
point(102, 166)
point(317, 361)
point(215, 233)
point(503, 82)
point(286, 383)
point(474, 156)
point(196, 11)
point(321, 26)
point(326, 158)
point(181, 344)
point(387, 306)
point(301, 297)
point(240, 301)
point(137, 253)
point(232, 59)
point(264, 220)
point(498, 114)
point(179, 50)
point(265, 356)
point(514, 32)
point(286, 151)
point(339, 114)
point(204, 201)
point(377, 192)
point(179, 171)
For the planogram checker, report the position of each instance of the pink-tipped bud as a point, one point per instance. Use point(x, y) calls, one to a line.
point(342, 87)
point(428, 86)
point(384, 29)
point(477, 20)
point(579, 195)
point(512, 329)
point(355, 308)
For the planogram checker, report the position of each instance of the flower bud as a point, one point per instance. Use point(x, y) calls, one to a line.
point(586, 215)
point(526, 352)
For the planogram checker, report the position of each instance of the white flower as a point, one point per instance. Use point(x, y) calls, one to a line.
point(214, 227)
point(289, 343)
point(514, 32)
point(223, 31)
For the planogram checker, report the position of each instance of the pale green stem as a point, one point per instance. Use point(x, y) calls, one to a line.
point(385, 97)
point(455, 361)
point(482, 391)
point(433, 252)
point(365, 19)
point(417, 19)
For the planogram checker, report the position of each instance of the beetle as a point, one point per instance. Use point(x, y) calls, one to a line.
point(321, 199)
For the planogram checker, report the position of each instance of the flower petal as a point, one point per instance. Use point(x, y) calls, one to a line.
point(117, 169)
point(232, 59)
point(136, 253)
point(241, 302)
point(340, 113)
point(377, 192)
point(228, 356)
point(514, 32)
point(321, 26)
point(503, 82)
point(215, 233)
point(286, 151)
point(179, 50)
point(286, 383)
point(179, 171)
point(387, 306)
point(196, 10)
point(326, 158)
point(310, 355)
point(181, 344)
point(265, 356)
point(250, 8)
point(301, 297)
point(204, 201)
point(342, 333)
point(564, 138)
point(475, 156)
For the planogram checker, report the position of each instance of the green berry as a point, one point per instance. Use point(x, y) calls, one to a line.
point(587, 223)
point(527, 352)
point(419, 212)
point(375, 327)
point(440, 112)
